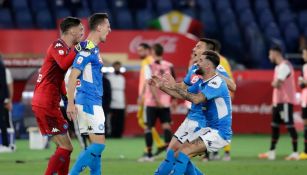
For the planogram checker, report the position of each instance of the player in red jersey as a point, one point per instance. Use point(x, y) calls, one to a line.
point(49, 88)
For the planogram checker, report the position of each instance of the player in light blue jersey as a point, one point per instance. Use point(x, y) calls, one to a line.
point(86, 77)
point(195, 118)
point(214, 95)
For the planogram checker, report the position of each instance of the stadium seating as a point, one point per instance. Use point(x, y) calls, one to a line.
point(214, 14)
point(24, 19)
point(6, 19)
point(44, 20)
point(142, 18)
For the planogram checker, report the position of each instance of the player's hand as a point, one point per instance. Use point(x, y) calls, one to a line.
point(8, 106)
point(71, 111)
point(155, 81)
point(169, 80)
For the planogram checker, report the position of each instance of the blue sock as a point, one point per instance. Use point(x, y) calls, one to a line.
point(167, 165)
point(88, 157)
point(192, 169)
point(181, 164)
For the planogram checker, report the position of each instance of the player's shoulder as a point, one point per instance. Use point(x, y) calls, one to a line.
point(220, 68)
point(168, 63)
point(58, 44)
point(215, 82)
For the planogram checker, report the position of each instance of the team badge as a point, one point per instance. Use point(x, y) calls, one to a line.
point(194, 79)
point(61, 52)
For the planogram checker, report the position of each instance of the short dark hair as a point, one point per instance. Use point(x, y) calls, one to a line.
point(96, 19)
point(144, 45)
point(158, 49)
point(213, 57)
point(211, 43)
point(276, 48)
point(69, 22)
point(117, 63)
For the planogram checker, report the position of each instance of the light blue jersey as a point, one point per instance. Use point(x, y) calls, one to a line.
point(89, 85)
point(193, 81)
point(217, 107)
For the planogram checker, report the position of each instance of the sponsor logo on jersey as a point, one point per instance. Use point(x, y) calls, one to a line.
point(79, 60)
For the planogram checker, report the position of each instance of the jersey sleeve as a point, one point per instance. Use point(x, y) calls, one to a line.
point(283, 71)
point(213, 89)
point(220, 69)
point(58, 52)
point(81, 60)
point(189, 76)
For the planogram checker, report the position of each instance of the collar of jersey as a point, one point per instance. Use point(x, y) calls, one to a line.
point(209, 79)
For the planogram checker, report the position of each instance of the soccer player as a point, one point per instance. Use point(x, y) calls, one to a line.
point(86, 75)
point(48, 91)
point(157, 103)
point(213, 95)
point(195, 119)
point(283, 99)
point(303, 84)
point(144, 52)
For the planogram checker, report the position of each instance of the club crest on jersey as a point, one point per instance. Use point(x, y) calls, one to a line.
point(61, 52)
point(79, 60)
point(194, 79)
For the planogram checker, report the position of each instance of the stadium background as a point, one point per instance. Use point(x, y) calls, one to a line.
point(246, 29)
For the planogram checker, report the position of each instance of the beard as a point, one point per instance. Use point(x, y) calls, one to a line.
point(199, 71)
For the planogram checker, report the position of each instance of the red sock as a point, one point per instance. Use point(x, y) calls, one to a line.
point(65, 167)
point(59, 161)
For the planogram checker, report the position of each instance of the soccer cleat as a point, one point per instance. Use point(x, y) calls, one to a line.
point(293, 156)
point(226, 157)
point(270, 155)
point(303, 156)
point(5, 149)
point(146, 159)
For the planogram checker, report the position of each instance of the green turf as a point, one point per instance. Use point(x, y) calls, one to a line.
point(120, 158)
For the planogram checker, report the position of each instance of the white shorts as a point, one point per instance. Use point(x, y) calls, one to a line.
point(186, 130)
point(91, 123)
point(211, 139)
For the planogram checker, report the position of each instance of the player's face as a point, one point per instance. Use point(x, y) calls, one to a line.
point(304, 55)
point(199, 49)
point(272, 55)
point(77, 33)
point(142, 52)
point(105, 29)
point(203, 65)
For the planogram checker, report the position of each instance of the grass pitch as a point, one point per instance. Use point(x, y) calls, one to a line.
point(120, 158)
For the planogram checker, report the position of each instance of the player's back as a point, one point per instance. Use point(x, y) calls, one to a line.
point(50, 79)
point(217, 108)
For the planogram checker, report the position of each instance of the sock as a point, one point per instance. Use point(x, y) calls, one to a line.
point(192, 169)
point(57, 161)
point(293, 135)
point(63, 170)
point(156, 138)
point(167, 165)
point(227, 149)
point(181, 164)
point(167, 136)
point(87, 157)
point(149, 142)
point(275, 136)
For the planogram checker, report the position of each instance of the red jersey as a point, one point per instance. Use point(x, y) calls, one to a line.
point(50, 81)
